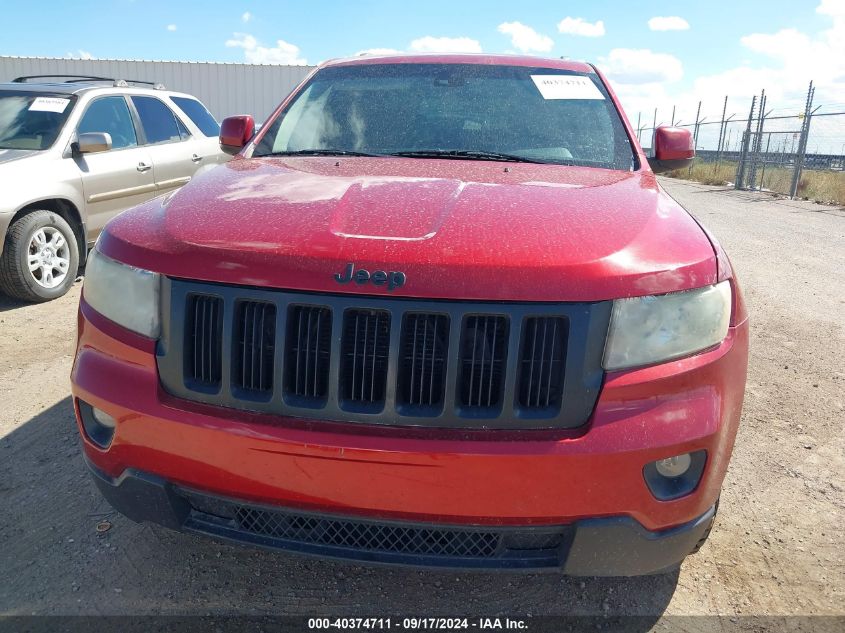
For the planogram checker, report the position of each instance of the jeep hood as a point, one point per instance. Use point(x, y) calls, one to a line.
point(457, 229)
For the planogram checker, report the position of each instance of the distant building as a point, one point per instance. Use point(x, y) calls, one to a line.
point(225, 88)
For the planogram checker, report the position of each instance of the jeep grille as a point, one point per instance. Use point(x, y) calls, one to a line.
point(382, 360)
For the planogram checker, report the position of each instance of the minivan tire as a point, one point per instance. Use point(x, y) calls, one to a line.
point(16, 278)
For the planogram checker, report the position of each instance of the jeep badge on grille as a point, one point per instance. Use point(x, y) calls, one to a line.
point(393, 279)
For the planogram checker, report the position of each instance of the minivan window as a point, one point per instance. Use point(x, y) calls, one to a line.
point(483, 112)
point(157, 119)
point(198, 113)
point(183, 131)
point(110, 115)
point(32, 120)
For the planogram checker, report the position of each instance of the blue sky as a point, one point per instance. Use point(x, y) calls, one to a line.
point(707, 49)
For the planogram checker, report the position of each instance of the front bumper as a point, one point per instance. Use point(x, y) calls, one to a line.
point(614, 546)
point(590, 477)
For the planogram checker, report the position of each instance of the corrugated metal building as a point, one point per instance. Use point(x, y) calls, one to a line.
point(225, 88)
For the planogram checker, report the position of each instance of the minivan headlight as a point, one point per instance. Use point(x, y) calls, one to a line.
point(655, 329)
point(124, 294)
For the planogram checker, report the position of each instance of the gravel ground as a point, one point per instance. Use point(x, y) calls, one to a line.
point(777, 547)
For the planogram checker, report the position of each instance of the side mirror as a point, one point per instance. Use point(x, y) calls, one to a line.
point(673, 149)
point(235, 133)
point(92, 142)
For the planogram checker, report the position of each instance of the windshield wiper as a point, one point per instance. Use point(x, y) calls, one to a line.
point(322, 152)
point(467, 154)
point(457, 154)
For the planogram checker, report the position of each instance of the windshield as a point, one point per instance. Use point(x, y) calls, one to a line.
point(474, 111)
point(32, 120)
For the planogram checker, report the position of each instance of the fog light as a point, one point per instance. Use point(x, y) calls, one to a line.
point(669, 467)
point(674, 477)
point(106, 420)
point(98, 425)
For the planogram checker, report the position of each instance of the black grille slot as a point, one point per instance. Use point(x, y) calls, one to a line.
point(203, 341)
point(422, 362)
point(364, 351)
point(541, 363)
point(483, 355)
point(308, 349)
point(255, 344)
point(358, 535)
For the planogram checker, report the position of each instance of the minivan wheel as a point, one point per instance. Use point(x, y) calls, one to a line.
point(40, 258)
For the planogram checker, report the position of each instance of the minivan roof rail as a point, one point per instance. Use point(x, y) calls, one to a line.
point(71, 79)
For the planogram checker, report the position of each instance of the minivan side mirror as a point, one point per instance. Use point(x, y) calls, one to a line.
point(673, 149)
point(235, 133)
point(93, 142)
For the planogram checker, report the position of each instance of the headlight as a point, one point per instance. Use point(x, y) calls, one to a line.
point(124, 294)
point(649, 330)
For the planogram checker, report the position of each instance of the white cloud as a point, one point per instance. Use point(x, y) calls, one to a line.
point(80, 54)
point(787, 60)
point(643, 98)
point(246, 17)
point(525, 38)
point(668, 23)
point(641, 66)
point(781, 62)
point(640, 78)
point(783, 44)
point(377, 51)
point(831, 7)
point(255, 53)
point(739, 83)
point(171, 27)
point(429, 44)
point(579, 26)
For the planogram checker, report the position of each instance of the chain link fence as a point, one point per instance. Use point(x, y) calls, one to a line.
point(797, 152)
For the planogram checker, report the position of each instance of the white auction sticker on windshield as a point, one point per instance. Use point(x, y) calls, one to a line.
point(49, 104)
point(566, 87)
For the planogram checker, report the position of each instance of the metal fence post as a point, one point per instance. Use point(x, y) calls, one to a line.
point(695, 135)
point(743, 155)
point(765, 159)
point(653, 130)
point(758, 142)
point(722, 127)
point(802, 143)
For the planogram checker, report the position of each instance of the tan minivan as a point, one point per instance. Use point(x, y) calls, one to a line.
point(75, 151)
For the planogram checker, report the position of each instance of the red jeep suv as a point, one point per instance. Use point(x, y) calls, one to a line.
point(437, 312)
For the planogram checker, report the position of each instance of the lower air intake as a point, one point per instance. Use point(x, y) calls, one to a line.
point(367, 536)
point(372, 540)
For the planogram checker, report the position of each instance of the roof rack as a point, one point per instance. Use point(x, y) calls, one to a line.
point(25, 78)
point(72, 79)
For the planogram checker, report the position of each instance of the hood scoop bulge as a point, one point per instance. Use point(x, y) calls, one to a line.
point(383, 210)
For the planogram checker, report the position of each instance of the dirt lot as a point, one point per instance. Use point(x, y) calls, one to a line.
point(778, 546)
